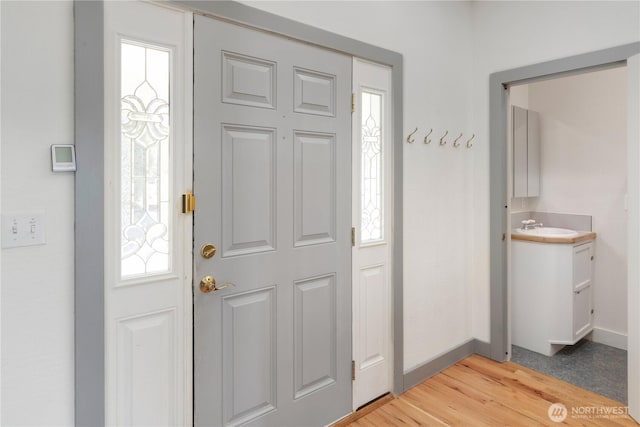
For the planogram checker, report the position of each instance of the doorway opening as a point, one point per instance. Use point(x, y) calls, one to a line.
point(568, 292)
point(499, 199)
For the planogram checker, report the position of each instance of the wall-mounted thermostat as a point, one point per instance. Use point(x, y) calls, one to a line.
point(63, 158)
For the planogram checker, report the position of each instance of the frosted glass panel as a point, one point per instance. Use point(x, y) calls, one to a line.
point(371, 180)
point(145, 215)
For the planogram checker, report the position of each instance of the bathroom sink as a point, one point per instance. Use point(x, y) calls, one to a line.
point(548, 232)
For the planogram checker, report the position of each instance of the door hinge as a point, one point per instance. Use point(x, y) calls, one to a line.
point(353, 236)
point(188, 203)
point(353, 370)
point(353, 102)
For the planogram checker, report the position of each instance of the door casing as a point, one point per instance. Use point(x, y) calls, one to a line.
point(89, 351)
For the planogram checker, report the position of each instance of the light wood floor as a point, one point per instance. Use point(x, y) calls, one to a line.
point(480, 392)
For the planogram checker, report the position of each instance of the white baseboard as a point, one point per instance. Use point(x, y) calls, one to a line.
point(610, 338)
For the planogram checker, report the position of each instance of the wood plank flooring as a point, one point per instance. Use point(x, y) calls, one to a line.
point(480, 392)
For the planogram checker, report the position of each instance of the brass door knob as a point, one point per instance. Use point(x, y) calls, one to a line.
point(208, 284)
point(208, 250)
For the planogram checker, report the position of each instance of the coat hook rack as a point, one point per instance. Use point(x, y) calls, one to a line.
point(469, 144)
point(410, 138)
point(455, 141)
point(426, 138)
point(442, 140)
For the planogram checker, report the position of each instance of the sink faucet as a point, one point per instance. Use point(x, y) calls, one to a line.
point(528, 224)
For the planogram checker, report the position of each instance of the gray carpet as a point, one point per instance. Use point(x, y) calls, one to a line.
point(592, 366)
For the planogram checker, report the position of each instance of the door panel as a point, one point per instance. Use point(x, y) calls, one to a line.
point(248, 81)
point(146, 384)
point(314, 157)
point(315, 334)
point(272, 175)
point(314, 93)
point(248, 190)
point(248, 353)
point(372, 302)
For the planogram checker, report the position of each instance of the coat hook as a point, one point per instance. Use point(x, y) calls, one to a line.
point(469, 144)
point(410, 138)
point(426, 138)
point(455, 142)
point(442, 141)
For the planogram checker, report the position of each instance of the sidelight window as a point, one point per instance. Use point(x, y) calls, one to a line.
point(371, 180)
point(145, 222)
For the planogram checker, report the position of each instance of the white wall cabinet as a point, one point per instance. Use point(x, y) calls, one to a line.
point(551, 294)
point(526, 152)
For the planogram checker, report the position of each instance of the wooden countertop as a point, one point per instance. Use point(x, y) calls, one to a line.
point(581, 237)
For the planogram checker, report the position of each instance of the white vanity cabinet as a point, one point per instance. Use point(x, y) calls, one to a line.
point(551, 294)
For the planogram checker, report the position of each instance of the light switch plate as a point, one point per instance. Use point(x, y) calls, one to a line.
point(24, 229)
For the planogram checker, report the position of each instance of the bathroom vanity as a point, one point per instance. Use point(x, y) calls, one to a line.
point(551, 288)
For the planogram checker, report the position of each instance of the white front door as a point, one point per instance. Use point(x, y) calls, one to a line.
point(272, 176)
point(372, 208)
point(147, 238)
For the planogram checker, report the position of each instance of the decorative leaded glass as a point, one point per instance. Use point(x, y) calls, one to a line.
point(371, 180)
point(145, 181)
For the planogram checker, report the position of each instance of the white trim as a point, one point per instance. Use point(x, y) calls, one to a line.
point(0, 211)
point(633, 232)
point(188, 225)
point(609, 337)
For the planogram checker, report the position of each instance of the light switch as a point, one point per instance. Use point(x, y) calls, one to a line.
point(22, 230)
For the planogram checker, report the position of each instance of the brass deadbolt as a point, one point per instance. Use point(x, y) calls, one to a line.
point(208, 250)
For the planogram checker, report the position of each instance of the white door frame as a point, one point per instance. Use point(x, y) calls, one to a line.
point(90, 181)
point(500, 196)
